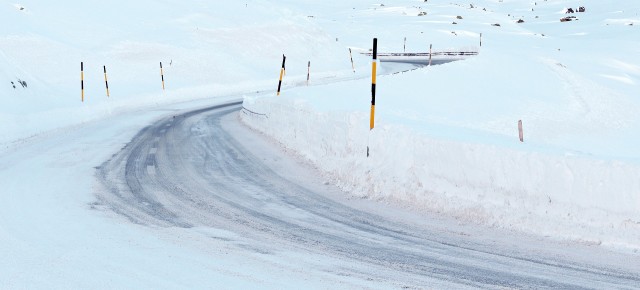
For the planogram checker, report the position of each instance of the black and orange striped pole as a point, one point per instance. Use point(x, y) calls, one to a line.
point(106, 83)
point(284, 58)
point(373, 88)
point(82, 80)
point(162, 76)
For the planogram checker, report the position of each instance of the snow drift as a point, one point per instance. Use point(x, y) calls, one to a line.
point(446, 136)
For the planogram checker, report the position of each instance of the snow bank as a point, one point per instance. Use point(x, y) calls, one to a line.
point(446, 136)
point(564, 196)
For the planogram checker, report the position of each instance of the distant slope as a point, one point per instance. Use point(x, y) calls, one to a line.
point(207, 49)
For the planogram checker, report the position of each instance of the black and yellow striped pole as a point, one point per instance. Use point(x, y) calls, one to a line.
point(162, 76)
point(373, 83)
point(284, 58)
point(373, 88)
point(106, 83)
point(352, 66)
point(82, 80)
point(308, 71)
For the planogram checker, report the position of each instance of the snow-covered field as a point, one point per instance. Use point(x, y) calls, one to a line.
point(446, 137)
point(445, 142)
point(207, 49)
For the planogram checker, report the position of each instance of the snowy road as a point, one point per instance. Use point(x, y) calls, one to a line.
point(203, 169)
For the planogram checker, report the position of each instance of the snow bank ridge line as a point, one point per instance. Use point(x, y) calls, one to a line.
point(562, 196)
point(245, 110)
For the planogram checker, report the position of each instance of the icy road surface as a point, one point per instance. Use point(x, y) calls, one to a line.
point(202, 169)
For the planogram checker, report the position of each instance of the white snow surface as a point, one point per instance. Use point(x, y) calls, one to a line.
point(446, 136)
point(445, 139)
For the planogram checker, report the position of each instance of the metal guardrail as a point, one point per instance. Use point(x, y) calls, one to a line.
point(434, 57)
point(425, 54)
point(245, 110)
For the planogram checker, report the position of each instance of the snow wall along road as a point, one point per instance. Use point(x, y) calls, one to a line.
point(554, 194)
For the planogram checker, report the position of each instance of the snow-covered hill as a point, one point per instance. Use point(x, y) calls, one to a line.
point(444, 153)
point(207, 49)
point(445, 137)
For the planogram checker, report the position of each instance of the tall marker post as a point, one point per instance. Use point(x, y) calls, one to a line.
point(405, 44)
point(430, 53)
point(106, 83)
point(480, 39)
point(373, 87)
point(284, 58)
point(308, 71)
point(351, 57)
point(82, 80)
point(162, 76)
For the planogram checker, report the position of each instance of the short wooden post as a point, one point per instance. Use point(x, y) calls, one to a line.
point(520, 133)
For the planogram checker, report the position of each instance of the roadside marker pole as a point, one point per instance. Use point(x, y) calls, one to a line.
point(430, 53)
point(373, 83)
point(106, 83)
point(520, 132)
point(82, 80)
point(373, 87)
point(480, 39)
point(284, 58)
point(405, 44)
point(352, 66)
point(162, 76)
point(308, 71)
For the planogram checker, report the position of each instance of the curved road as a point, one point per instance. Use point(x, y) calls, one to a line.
point(196, 170)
